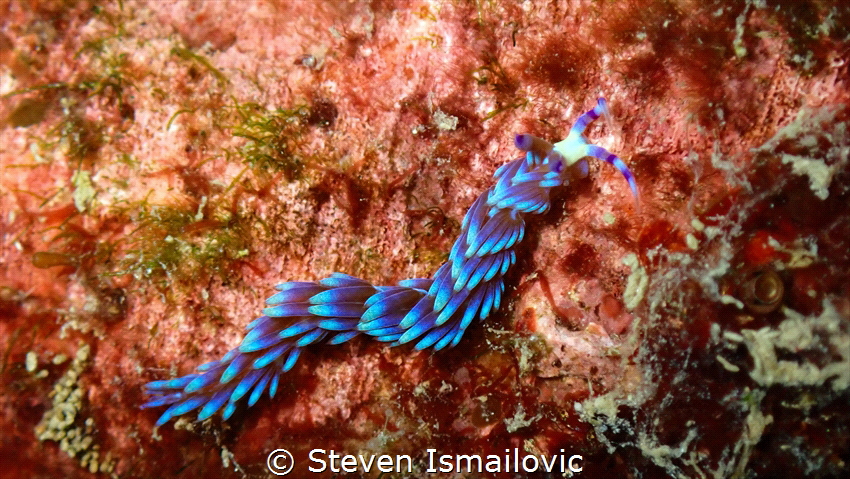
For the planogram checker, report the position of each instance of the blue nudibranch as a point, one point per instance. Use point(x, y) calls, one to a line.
point(433, 312)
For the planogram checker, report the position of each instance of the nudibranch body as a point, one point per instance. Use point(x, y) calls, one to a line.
point(434, 312)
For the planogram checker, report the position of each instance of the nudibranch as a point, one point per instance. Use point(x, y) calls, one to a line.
point(428, 312)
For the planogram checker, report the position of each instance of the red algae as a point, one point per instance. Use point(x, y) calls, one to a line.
point(163, 165)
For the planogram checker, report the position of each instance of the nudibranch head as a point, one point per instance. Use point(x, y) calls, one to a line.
point(572, 148)
point(567, 156)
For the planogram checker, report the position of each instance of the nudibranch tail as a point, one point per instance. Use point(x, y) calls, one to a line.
point(300, 314)
point(428, 312)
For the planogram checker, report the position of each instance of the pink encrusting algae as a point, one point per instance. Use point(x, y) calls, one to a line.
point(164, 165)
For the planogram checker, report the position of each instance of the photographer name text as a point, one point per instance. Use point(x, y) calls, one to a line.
point(512, 461)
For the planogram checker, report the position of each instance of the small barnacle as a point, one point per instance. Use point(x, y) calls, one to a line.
point(762, 292)
point(308, 61)
point(314, 60)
